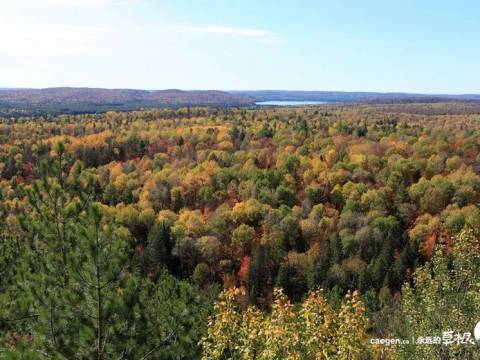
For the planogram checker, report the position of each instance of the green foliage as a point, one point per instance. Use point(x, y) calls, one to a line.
point(242, 239)
point(444, 297)
point(75, 294)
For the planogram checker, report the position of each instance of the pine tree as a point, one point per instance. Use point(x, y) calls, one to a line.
point(258, 279)
point(77, 295)
point(444, 297)
point(76, 266)
point(159, 248)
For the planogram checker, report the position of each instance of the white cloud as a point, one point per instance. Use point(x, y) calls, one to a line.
point(89, 2)
point(228, 30)
point(34, 38)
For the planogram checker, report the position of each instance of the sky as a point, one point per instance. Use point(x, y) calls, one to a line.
point(388, 46)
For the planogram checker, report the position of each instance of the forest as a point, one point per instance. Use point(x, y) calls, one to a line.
point(75, 100)
point(241, 233)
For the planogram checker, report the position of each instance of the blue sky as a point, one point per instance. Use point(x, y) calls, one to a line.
point(412, 46)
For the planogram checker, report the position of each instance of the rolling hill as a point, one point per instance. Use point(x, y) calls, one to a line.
point(84, 100)
point(350, 97)
point(66, 99)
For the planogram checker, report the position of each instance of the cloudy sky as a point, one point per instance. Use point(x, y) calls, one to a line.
point(415, 46)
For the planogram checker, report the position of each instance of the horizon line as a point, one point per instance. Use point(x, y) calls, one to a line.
point(241, 90)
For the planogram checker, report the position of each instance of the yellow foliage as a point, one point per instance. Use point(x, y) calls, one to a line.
point(167, 216)
point(313, 331)
point(93, 140)
point(357, 159)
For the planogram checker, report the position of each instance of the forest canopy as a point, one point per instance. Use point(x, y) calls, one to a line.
point(171, 233)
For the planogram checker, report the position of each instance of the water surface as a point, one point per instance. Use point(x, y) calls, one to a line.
point(289, 103)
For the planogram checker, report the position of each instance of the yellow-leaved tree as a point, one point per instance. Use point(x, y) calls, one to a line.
point(311, 330)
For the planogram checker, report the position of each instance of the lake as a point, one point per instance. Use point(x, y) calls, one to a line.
point(289, 103)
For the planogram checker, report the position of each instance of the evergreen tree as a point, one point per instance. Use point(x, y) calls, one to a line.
point(74, 294)
point(159, 248)
point(444, 298)
point(291, 281)
point(258, 280)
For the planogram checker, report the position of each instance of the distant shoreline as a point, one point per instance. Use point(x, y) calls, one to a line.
point(290, 103)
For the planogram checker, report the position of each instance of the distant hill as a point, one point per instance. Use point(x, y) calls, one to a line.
point(66, 99)
point(85, 100)
point(349, 97)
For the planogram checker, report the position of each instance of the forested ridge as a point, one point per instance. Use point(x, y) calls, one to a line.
point(79, 100)
point(353, 96)
point(281, 233)
point(68, 100)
